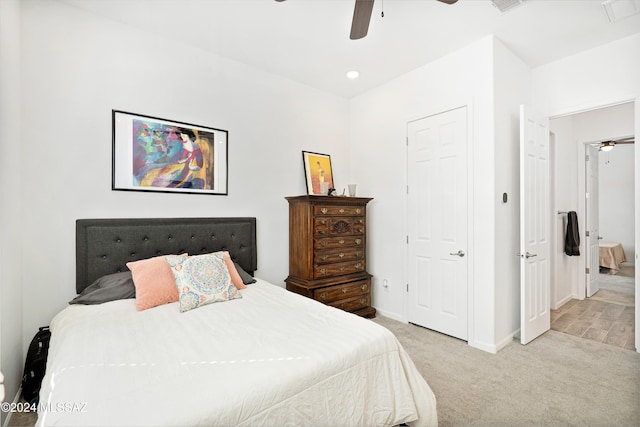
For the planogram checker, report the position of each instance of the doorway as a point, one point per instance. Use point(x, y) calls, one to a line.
point(579, 308)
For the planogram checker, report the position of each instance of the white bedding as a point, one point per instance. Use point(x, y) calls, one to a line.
point(272, 358)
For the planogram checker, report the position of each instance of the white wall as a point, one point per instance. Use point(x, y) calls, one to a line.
point(565, 156)
point(616, 177)
point(601, 76)
point(77, 67)
point(378, 151)
point(572, 132)
point(11, 176)
point(512, 79)
point(597, 77)
point(617, 208)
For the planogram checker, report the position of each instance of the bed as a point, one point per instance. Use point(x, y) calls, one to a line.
point(269, 357)
point(611, 256)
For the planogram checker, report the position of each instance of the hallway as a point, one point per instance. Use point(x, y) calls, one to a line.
point(607, 317)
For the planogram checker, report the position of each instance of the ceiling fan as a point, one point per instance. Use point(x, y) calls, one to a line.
point(362, 17)
point(608, 145)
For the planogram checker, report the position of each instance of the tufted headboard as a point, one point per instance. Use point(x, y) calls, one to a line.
point(104, 246)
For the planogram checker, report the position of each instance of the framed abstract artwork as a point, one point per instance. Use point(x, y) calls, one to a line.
point(318, 173)
point(153, 154)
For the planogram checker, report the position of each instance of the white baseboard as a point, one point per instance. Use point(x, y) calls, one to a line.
point(391, 315)
point(562, 302)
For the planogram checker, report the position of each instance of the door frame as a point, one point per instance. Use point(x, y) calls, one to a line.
point(470, 215)
point(581, 274)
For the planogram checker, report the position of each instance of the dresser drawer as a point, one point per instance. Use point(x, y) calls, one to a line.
point(347, 254)
point(338, 210)
point(328, 226)
point(339, 242)
point(337, 269)
point(352, 304)
point(341, 292)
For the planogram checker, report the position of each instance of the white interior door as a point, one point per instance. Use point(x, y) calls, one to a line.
point(437, 222)
point(535, 275)
point(592, 260)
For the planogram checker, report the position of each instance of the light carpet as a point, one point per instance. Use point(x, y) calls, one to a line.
point(556, 380)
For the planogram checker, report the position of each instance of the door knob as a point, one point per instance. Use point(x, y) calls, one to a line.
point(528, 255)
point(459, 253)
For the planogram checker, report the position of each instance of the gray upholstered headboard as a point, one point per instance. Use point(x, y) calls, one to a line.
point(104, 246)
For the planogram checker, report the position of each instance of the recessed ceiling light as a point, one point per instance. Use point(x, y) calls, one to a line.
point(353, 74)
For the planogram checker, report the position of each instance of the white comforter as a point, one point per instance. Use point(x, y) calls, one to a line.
point(272, 358)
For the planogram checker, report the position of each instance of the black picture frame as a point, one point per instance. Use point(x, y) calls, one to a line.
point(161, 155)
point(317, 170)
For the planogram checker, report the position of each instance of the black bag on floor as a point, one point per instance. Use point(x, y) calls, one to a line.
point(35, 365)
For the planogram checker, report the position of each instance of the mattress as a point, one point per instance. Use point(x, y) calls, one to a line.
point(271, 358)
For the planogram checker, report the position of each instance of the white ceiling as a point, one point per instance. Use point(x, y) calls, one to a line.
point(308, 40)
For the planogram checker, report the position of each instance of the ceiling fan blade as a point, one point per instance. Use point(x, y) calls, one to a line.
point(361, 18)
point(443, 1)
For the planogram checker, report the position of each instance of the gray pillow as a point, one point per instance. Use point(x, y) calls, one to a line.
point(107, 288)
point(247, 279)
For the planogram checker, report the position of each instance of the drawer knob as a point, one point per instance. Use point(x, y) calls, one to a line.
point(342, 242)
point(358, 210)
point(363, 301)
point(341, 255)
point(324, 243)
point(341, 210)
point(363, 287)
point(344, 290)
point(358, 265)
point(323, 296)
point(341, 268)
point(323, 271)
point(358, 241)
point(324, 210)
point(324, 257)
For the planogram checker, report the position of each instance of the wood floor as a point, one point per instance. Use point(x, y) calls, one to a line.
point(607, 317)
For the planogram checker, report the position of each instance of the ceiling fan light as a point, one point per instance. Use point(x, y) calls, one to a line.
point(607, 146)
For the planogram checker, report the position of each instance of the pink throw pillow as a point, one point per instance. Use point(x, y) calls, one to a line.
point(233, 272)
point(154, 281)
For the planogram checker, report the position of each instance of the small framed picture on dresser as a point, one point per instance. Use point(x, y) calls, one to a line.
point(318, 173)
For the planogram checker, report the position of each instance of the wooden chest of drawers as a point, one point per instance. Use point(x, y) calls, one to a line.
point(327, 251)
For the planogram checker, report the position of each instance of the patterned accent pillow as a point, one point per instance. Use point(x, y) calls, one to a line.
point(201, 280)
